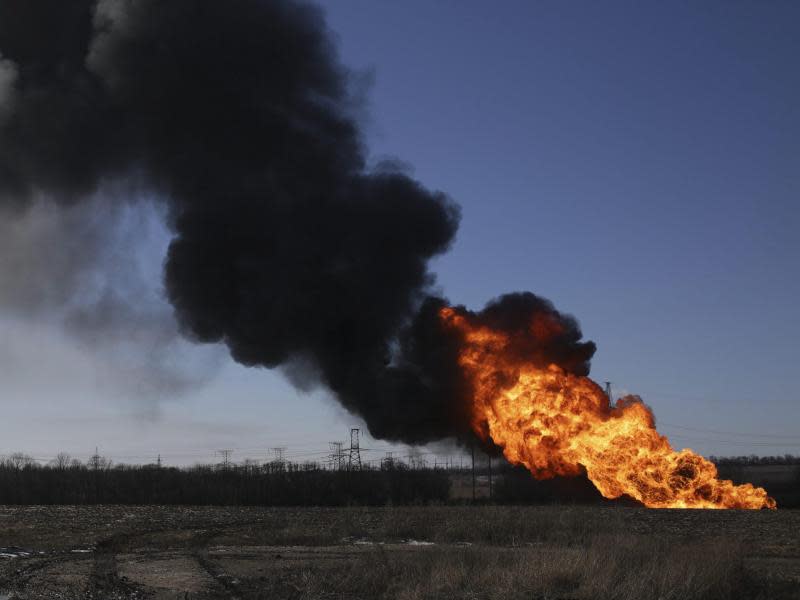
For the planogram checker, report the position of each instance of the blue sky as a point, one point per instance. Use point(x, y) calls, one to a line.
point(636, 163)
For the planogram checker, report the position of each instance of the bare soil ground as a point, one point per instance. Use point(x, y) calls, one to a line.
point(410, 552)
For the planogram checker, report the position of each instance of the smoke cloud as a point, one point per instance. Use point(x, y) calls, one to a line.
point(8, 77)
point(285, 246)
point(423, 395)
point(91, 270)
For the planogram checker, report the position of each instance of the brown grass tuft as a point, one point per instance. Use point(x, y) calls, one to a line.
point(609, 567)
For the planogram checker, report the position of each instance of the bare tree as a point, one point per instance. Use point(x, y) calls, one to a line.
point(62, 461)
point(19, 461)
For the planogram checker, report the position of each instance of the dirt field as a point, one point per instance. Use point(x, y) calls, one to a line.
point(421, 552)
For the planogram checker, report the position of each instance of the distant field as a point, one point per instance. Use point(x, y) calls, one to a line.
point(405, 552)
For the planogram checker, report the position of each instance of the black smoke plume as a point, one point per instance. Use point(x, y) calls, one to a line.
point(287, 248)
point(538, 333)
point(423, 394)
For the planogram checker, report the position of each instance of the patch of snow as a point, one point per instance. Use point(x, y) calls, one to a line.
point(14, 552)
point(418, 543)
point(358, 542)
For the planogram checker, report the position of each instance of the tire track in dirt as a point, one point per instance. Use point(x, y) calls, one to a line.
point(27, 570)
point(104, 581)
point(227, 584)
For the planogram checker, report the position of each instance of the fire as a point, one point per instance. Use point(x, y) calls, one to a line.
point(556, 424)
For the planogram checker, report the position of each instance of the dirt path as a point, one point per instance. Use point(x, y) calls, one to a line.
point(173, 553)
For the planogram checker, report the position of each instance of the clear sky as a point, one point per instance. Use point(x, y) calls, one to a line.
point(638, 163)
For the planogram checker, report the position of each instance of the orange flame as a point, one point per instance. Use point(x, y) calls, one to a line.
point(555, 423)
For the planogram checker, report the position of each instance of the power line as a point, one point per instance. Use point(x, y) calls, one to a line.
point(736, 442)
point(354, 459)
point(225, 453)
point(714, 431)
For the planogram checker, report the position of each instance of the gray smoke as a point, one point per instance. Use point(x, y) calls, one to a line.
point(83, 270)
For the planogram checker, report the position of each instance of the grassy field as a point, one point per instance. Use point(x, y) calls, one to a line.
point(406, 553)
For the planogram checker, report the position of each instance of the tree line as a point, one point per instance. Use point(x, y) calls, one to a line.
point(68, 481)
point(65, 480)
point(753, 460)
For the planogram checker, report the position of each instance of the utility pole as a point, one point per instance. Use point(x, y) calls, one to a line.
point(472, 448)
point(95, 462)
point(490, 477)
point(388, 461)
point(608, 393)
point(354, 460)
point(340, 456)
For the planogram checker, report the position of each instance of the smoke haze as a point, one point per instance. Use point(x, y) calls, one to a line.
point(241, 121)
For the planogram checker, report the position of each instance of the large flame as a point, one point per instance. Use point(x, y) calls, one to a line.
point(555, 423)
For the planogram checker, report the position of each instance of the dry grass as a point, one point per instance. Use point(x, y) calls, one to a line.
point(486, 525)
point(610, 567)
point(481, 552)
point(500, 525)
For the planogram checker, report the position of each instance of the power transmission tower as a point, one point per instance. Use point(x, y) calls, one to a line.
point(94, 461)
point(279, 460)
point(608, 393)
point(158, 462)
point(388, 461)
point(225, 453)
point(354, 460)
point(336, 456)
